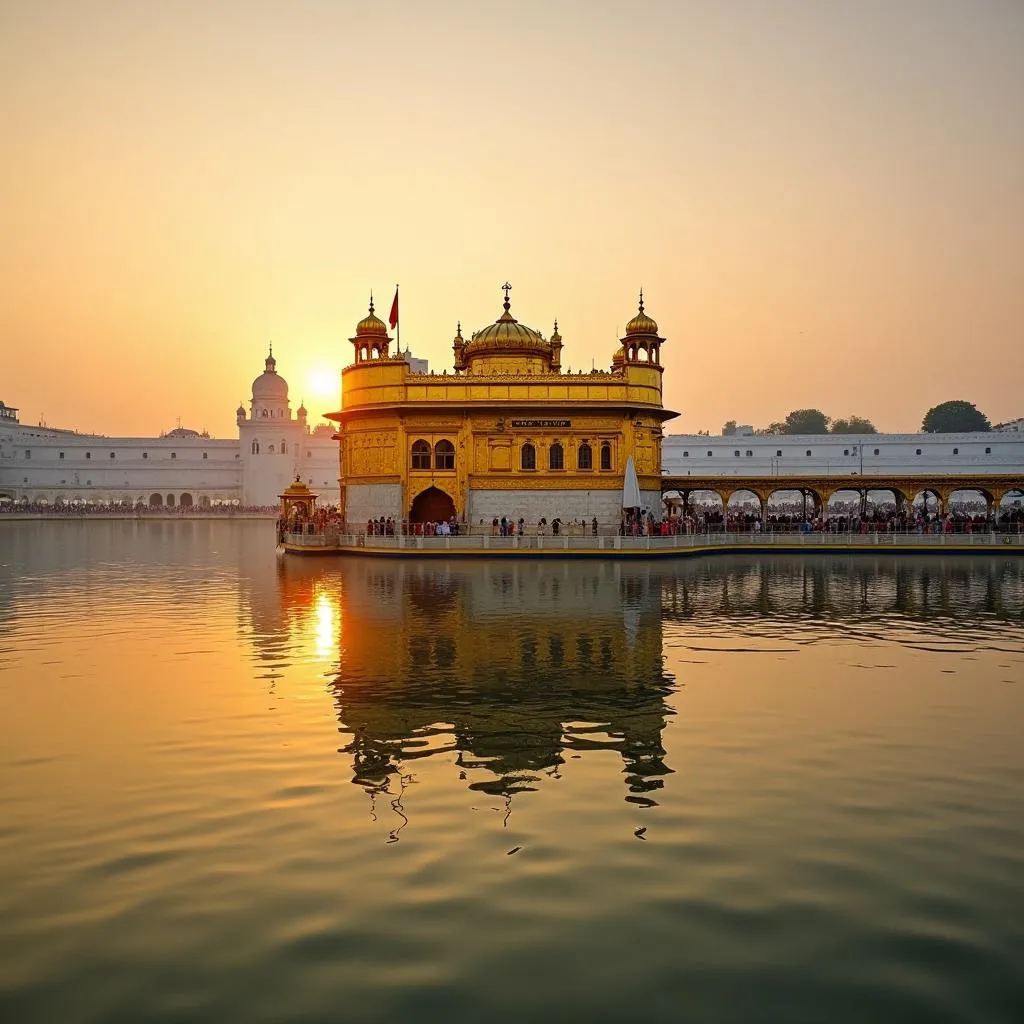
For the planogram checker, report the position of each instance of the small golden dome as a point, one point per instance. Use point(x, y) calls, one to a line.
point(641, 323)
point(297, 489)
point(371, 326)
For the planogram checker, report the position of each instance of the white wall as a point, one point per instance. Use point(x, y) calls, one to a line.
point(567, 505)
point(369, 501)
point(43, 463)
point(843, 454)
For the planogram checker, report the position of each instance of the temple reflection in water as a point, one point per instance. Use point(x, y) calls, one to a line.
point(511, 668)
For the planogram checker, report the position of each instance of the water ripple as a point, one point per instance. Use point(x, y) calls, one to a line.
point(233, 788)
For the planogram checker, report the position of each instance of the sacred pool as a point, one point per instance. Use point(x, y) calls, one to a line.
point(753, 787)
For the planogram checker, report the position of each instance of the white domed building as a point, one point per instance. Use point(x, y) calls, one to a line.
point(180, 468)
point(276, 448)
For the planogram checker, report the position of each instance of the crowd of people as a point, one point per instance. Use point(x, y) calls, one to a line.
point(695, 519)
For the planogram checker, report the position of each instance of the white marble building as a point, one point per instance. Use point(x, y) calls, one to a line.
point(993, 451)
point(180, 468)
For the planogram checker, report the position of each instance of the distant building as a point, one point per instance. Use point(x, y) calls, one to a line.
point(842, 454)
point(182, 467)
point(1011, 426)
point(415, 365)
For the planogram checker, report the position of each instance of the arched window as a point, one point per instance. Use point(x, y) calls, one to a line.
point(270, 449)
point(444, 455)
point(264, 413)
point(528, 456)
point(284, 448)
point(255, 447)
point(556, 457)
point(421, 455)
point(584, 457)
point(606, 456)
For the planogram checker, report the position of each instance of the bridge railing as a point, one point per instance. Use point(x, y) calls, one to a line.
point(485, 542)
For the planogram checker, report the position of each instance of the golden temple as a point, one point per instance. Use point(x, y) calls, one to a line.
point(505, 433)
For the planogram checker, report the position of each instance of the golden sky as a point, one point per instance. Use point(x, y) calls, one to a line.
point(824, 202)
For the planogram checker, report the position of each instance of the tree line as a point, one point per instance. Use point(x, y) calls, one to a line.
point(953, 417)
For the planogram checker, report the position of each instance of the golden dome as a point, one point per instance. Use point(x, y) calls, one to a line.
point(641, 323)
point(371, 326)
point(507, 335)
point(297, 489)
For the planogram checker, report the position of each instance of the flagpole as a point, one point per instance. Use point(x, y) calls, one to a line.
point(398, 325)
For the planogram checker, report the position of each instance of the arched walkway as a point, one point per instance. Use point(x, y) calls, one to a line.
point(186, 500)
point(431, 506)
point(156, 500)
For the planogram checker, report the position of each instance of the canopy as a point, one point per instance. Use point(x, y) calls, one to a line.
point(630, 486)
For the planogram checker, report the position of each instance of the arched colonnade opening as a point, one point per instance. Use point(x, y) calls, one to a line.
point(843, 508)
point(432, 505)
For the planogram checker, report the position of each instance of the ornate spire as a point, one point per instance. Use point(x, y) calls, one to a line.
point(271, 362)
point(556, 350)
point(459, 347)
point(507, 316)
point(371, 302)
point(641, 302)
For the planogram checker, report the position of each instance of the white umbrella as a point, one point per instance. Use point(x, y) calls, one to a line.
point(630, 486)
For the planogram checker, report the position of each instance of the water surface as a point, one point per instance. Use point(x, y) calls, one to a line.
point(737, 789)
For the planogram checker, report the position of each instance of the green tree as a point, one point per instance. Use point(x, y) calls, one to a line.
point(806, 421)
point(729, 428)
point(853, 425)
point(772, 428)
point(954, 417)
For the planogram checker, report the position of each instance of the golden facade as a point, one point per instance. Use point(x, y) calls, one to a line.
point(504, 432)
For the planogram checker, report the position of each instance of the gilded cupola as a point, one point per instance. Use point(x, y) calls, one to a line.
point(371, 339)
point(371, 326)
point(508, 347)
point(641, 343)
point(641, 324)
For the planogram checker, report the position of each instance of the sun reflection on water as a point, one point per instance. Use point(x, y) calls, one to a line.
point(325, 633)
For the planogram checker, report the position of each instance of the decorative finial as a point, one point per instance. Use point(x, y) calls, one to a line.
point(641, 300)
point(506, 288)
point(371, 302)
point(458, 328)
point(556, 325)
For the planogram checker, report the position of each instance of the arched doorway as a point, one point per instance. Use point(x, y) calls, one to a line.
point(156, 500)
point(431, 506)
point(185, 501)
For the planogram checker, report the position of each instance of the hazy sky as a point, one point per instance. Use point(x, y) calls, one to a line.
point(824, 201)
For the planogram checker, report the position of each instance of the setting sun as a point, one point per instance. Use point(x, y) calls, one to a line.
point(321, 383)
